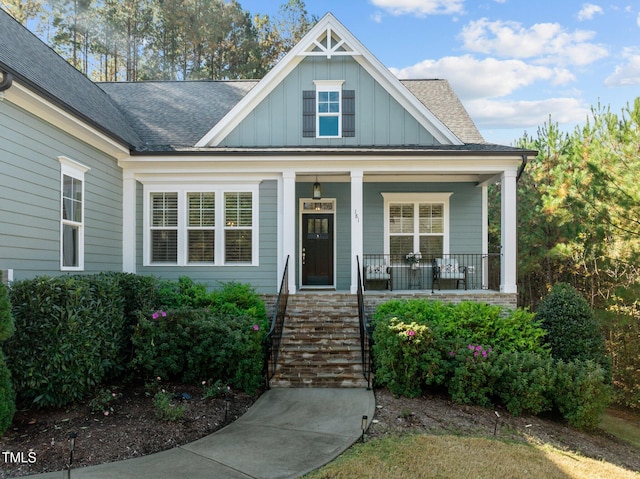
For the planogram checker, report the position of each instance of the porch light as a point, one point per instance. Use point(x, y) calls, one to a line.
point(317, 193)
point(363, 425)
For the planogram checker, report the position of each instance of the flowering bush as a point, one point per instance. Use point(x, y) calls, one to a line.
point(471, 381)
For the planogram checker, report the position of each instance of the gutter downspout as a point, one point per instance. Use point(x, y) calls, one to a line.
point(522, 167)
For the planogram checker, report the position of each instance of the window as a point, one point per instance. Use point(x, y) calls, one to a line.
point(201, 227)
point(208, 227)
point(72, 215)
point(238, 214)
point(417, 222)
point(328, 111)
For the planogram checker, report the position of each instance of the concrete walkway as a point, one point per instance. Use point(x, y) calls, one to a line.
point(285, 434)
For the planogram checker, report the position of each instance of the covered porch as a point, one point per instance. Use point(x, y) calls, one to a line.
point(381, 212)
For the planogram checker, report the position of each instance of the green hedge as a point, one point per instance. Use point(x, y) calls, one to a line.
point(69, 334)
point(201, 345)
point(7, 394)
point(481, 356)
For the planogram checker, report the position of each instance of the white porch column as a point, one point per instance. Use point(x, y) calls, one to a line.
point(509, 233)
point(129, 223)
point(289, 226)
point(485, 237)
point(356, 226)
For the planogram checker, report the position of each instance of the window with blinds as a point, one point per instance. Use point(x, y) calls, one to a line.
point(416, 227)
point(214, 227)
point(164, 227)
point(238, 214)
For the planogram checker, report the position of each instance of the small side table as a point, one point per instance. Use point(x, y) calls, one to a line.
point(415, 276)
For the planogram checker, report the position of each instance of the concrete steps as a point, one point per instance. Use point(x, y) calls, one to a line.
point(320, 343)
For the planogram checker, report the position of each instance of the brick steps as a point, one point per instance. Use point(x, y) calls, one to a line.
point(320, 344)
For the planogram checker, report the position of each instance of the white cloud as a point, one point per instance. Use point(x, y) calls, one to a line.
point(492, 78)
point(627, 73)
point(377, 17)
point(588, 11)
point(420, 7)
point(523, 114)
point(547, 43)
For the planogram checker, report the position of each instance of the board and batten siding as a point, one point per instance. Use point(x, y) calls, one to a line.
point(262, 277)
point(380, 119)
point(30, 193)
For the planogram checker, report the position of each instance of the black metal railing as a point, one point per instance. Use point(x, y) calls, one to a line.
point(402, 272)
point(366, 340)
point(273, 338)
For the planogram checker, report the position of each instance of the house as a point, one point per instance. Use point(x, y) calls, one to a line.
point(329, 161)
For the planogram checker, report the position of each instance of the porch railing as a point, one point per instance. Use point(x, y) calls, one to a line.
point(273, 338)
point(397, 272)
point(366, 340)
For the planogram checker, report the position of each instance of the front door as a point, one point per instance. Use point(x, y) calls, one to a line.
point(317, 250)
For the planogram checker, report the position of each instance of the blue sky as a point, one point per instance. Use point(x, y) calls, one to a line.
point(513, 63)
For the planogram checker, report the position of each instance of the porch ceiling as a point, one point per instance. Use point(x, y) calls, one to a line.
point(399, 177)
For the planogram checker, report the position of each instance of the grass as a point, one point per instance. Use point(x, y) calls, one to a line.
point(454, 457)
point(621, 425)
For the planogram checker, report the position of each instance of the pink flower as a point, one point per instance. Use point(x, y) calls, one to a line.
point(113, 395)
point(478, 348)
point(472, 347)
point(155, 315)
point(256, 327)
point(106, 413)
point(411, 333)
point(452, 354)
point(475, 353)
point(484, 354)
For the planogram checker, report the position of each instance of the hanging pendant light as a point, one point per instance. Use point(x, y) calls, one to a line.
point(317, 194)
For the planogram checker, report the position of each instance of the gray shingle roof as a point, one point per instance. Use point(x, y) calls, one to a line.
point(441, 100)
point(36, 66)
point(176, 114)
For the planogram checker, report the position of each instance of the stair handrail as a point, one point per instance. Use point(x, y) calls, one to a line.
point(272, 340)
point(366, 340)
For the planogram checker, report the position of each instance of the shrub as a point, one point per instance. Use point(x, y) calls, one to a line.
point(7, 394)
point(573, 331)
point(471, 381)
point(182, 294)
point(68, 337)
point(401, 351)
point(219, 343)
point(581, 392)
point(524, 382)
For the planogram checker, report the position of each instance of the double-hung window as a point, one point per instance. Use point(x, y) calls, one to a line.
point(417, 222)
point(201, 226)
point(329, 117)
point(328, 111)
point(72, 215)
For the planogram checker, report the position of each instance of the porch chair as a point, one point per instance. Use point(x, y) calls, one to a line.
point(377, 269)
point(448, 269)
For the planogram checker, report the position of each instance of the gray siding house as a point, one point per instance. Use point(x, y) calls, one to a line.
point(329, 161)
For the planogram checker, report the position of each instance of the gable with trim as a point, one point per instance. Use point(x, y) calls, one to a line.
point(329, 90)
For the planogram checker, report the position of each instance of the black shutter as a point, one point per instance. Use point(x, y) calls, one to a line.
point(309, 113)
point(348, 113)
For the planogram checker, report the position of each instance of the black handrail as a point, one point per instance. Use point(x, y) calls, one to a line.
point(272, 340)
point(366, 340)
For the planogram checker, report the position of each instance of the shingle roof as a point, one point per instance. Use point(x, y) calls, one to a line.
point(441, 100)
point(36, 66)
point(176, 114)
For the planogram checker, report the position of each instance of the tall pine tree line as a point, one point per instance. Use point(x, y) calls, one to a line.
point(134, 40)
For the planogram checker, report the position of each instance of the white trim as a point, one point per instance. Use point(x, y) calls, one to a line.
point(301, 213)
point(364, 57)
point(219, 190)
point(442, 198)
point(75, 170)
point(509, 227)
point(357, 220)
point(328, 86)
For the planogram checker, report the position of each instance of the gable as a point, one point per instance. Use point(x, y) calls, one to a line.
point(371, 116)
point(331, 48)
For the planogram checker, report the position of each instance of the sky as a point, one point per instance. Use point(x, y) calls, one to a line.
point(515, 64)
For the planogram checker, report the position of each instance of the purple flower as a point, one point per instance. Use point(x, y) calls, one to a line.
point(484, 354)
point(478, 348)
point(452, 354)
point(472, 347)
point(155, 315)
point(256, 327)
point(475, 353)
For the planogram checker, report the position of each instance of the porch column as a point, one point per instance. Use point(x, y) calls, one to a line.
point(485, 237)
point(356, 226)
point(129, 223)
point(289, 227)
point(508, 233)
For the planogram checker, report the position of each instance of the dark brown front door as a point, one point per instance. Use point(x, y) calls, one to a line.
point(317, 250)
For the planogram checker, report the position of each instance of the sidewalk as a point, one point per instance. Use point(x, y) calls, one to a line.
point(285, 434)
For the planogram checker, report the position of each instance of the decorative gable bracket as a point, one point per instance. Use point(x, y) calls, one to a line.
point(329, 44)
